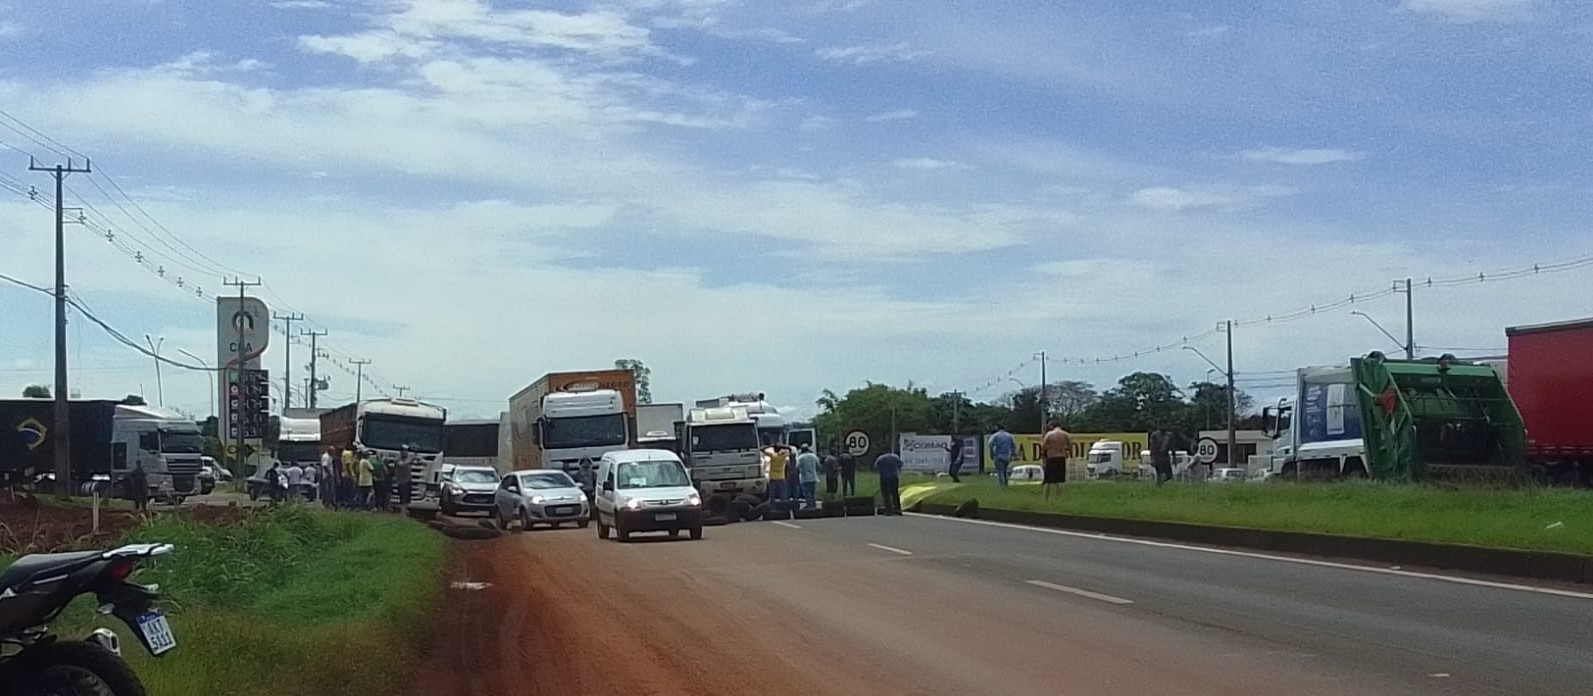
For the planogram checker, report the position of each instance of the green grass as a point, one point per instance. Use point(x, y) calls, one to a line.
point(291, 600)
point(1518, 519)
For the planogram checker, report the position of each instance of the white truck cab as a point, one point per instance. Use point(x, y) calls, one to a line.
point(168, 445)
point(1105, 459)
point(646, 490)
point(1318, 430)
point(726, 455)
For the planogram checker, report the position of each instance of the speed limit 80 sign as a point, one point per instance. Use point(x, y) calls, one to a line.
point(856, 443)
point(1206, 450)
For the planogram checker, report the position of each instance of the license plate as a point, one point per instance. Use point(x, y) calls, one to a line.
point(665, 517)
point(157, 632)
point(564, 510)
point(727, 486)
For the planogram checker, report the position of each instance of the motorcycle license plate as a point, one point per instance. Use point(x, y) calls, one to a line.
point(157, 632)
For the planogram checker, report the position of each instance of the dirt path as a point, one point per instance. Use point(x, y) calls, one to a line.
point(766, 610)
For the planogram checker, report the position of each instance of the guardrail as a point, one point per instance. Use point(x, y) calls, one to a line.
point(1537, 565)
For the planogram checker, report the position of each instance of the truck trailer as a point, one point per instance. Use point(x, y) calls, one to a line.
point(565, 419)
point(108, 439)
point(1550, 378)
point(1397, 420)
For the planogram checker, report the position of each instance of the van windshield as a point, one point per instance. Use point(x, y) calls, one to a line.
point(662, 473)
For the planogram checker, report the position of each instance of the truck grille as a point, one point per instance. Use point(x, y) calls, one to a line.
point(181, 467)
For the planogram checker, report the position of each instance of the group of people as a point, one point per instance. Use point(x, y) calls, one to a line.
point(794, 472)
point(348, 479)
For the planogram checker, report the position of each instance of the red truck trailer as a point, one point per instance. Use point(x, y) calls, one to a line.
point(1550, 377)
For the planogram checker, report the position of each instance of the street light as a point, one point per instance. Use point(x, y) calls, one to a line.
point(212, 375)
point(154, 347)
point(1410, 349)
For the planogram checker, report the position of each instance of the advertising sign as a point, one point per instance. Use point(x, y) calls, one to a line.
point(932, 453)
point(243, 325)
point(1328, 412)
point(248, 405)
point(1029, 446)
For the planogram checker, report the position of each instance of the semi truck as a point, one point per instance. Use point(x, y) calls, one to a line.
point(387, 426)
point(566, 418)
point(1549, 375)
point(723, 452)
point(108, 439)
point(655, 426)
point(471, 443)
point(298, 441)
point(1397, 420)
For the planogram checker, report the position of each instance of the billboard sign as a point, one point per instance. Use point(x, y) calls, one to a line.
point(1134, 444)
point(932, 453)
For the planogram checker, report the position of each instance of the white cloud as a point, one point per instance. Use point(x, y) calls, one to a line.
point(1475, 11)
point(1176, 199)
point(887, 116)
point(816, 123)
point(301, 4)
point(926, 163)
point(863, 55)
point(1310, 156)
point(1209, 32)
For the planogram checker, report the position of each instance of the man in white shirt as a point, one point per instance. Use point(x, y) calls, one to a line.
point(330, 471)
point(295, 478)
point(311, 484)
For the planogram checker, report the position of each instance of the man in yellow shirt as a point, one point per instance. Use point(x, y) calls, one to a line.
point(367, 479)
point(777, 456)
point(350, 478)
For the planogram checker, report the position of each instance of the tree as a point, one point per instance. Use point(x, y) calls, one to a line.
point(644, 378)
point(1068, 400)
point(1208, 406)
point(1139, 403)
point(877, 409)
point(35, 391)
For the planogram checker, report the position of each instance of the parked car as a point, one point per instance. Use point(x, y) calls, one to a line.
point(1024, 473)
point(469, 489)
point(537, 496)
point(1227, 475)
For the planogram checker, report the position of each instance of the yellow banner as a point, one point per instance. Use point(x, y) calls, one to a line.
point(1029, 446)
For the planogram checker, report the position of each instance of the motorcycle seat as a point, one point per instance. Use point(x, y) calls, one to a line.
point(42, 565)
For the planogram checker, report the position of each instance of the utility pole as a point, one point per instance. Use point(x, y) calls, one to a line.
point(400, 390)
point(1410, 320)
point(359, 376)
point(63, 424)
point(287, 357)
point(237, 376)
point(1045, 393)
point(314, 356)
point(1233, 438)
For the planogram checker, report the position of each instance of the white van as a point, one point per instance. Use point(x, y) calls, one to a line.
point(646, 490)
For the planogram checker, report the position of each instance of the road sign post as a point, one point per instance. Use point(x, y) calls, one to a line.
point(856, 443)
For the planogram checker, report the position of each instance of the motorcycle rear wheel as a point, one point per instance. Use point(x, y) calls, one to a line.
point(73, 668)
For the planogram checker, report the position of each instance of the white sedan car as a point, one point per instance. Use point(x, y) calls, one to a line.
point(540, 496)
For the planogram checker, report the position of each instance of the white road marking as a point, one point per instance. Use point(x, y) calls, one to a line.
point(788, 524)
point(1283, 559)
point(1082, 593)
point(892, 549)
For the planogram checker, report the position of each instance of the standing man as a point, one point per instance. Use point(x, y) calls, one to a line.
point(848, 474)
point(331, 474)
point(1054, 450)
point(311, 475)
point(382, 482)
point(403, 476)
point(954, 458)
point(293, 474)
point(777, 461)
point(1161, 453)
point(1002, 451)
point(832, 472)
point(365, 479)
point(138, 487)
point(351, 477)
point(889, 467)
point(808, 474)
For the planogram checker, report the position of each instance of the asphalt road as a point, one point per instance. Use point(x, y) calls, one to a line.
point(931, 606)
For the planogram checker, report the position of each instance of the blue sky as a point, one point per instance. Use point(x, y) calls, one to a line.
point(794, 196)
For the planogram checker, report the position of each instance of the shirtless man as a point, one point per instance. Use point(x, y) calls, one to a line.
point(1055, 448)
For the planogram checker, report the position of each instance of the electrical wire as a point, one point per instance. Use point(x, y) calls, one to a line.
point(77, 302)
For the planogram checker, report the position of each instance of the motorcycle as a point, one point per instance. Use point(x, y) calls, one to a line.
point(33, 592)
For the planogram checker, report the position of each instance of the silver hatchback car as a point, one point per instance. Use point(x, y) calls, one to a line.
point(540, 496)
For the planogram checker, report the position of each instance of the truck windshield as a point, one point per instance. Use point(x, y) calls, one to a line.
point(584, 431)
point(1100, 457)
point(772, 433)
point(393, 432)
point(178, 442)
point(724, 438)
point(298, 451)
point(653, 474)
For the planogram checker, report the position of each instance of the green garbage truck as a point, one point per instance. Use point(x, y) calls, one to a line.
point(1398, 420)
